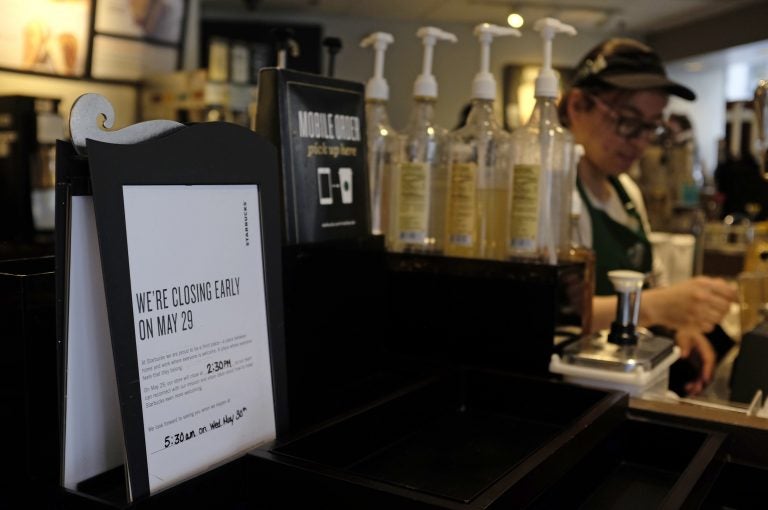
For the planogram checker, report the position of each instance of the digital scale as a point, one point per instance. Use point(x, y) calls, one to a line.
point(626, 357)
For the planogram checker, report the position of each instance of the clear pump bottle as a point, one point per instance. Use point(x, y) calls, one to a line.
point(382, 139)
point(417, 208)
point(541, 176)
point(478, 173)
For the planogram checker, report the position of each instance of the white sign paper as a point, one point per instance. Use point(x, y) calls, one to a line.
point(93, 432)
point(199, 312)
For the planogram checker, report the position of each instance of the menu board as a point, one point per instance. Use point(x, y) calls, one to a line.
point(134, 39)
point(124, 59)
point(45, 36)
point(161, 20)
point(126, 39)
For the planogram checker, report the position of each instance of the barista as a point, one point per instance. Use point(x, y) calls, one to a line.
point(614, 109)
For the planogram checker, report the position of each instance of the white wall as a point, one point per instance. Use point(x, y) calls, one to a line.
point(454, 64)
point(727, 75)
point(707, 113)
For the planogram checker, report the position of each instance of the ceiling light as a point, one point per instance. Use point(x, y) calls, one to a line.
point(515, 20)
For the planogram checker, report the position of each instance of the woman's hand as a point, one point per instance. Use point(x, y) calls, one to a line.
point(693, 342)
point(698, 303)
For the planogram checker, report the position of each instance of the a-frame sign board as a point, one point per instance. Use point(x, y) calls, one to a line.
point(188, 230)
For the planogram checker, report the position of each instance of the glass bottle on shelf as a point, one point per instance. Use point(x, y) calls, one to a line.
point(382, 138)
point(478, 173)
point(417, 208)
point(542, 183)
point(216, 87)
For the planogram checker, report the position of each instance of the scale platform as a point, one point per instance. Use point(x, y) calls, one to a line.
point(639, 369)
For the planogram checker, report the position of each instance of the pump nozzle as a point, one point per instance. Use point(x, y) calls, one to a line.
point(546, 82)
point(484, 86)
point(333, 45)
point(283, 43)
point(377, 87)
point(426, 85)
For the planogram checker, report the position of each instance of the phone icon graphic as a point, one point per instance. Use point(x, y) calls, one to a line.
point(324, 185)
point(345, 181)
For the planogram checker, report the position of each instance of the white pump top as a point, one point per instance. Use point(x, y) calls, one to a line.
point(546, 82)
point(624, 280)
point(484, 86)
point(377, 87)
point(426, 85)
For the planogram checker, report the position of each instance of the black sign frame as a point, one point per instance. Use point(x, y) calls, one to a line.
point(206, 154)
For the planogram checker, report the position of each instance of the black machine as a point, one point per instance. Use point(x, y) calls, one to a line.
point(749, 375)
point(29, 127)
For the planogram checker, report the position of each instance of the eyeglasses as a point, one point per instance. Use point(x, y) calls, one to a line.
point(630, 127)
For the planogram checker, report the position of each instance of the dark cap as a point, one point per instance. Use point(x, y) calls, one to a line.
point(626, 64)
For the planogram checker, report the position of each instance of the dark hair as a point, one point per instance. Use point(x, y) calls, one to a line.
point(463, 114)
point(594, 90)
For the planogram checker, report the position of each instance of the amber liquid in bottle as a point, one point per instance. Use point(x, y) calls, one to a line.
point(585, 290)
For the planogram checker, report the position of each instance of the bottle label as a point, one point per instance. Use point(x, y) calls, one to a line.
point(462, 204)
point(524, 215)
point(413, 202)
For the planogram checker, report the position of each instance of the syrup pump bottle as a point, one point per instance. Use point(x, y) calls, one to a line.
point(382, 138)
point(478, 173)
point(419, 177)
point(542, 153)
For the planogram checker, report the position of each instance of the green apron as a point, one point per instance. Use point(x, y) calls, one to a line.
point(615, 245)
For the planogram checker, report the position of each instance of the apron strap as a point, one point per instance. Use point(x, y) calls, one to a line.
point(616, 246)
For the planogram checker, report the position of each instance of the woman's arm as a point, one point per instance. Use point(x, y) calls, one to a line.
point(699, 303)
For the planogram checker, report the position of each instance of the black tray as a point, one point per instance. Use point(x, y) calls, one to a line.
point(738, 486)
point(222, 488)
point(641, 464)
point(475, 439)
